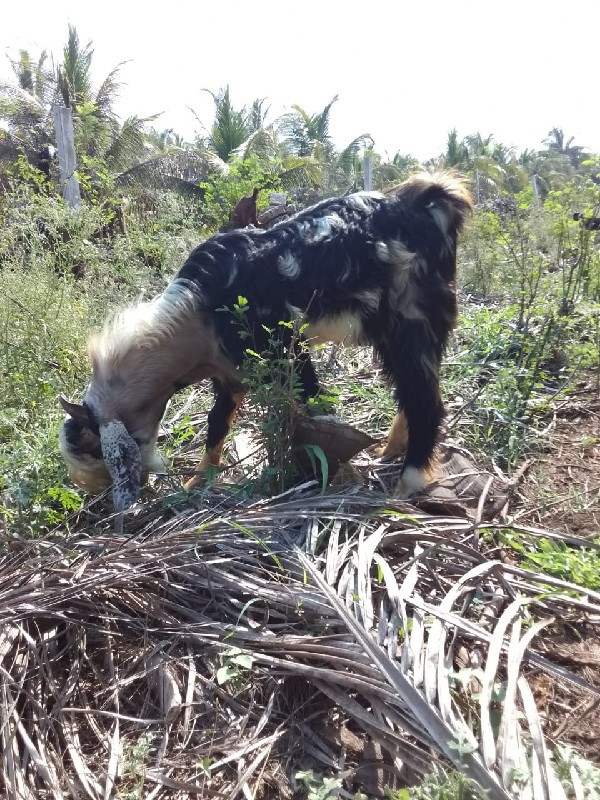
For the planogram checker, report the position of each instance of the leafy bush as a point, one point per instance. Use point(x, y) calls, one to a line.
point(222, 191)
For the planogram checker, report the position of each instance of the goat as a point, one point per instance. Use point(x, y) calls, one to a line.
point(245, 212)
point(366, 269)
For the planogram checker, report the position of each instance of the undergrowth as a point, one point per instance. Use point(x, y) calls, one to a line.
point(529, 327)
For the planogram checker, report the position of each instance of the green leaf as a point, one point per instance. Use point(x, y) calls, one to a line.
point(226, 673)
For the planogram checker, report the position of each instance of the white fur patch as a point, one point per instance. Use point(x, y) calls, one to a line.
point(145, 324)
point(382, 252)
point(344, 328)
point(406, 265)
point(344, 275)
point(288, 266)
point(294, 312)
point(233, 271)
point(395, 252)
point(323, 227)
point(358, 199)
point(411, 482)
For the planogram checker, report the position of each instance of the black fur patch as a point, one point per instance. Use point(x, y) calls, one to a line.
point(335, 268)
point(327, 261)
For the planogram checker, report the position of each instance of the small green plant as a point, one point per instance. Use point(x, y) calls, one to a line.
point(578, 565)
point(135, 759)
point(273, 384)
point(570, 766)
point(222, 191)
point(318, 787)
point(439, 785)
point(204, 766)
point(235, 664)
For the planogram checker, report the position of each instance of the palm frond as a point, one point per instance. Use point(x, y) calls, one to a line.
point(128, 144)
point(74, 75)
point(348, 156)
point(296, 140)
point(24, 102)
point(230, 128)
point(262, 142)
point(257, 116)
point(298, 171)
point(321, 121)
point(108, 91)
point(180, 170)
point(228, 632)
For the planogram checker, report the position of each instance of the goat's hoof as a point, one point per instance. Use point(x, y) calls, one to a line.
point(413, 481)
point(194, 482)
point(388, 453)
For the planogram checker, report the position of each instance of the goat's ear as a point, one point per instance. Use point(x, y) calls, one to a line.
point(123, 461)
point(78, 412)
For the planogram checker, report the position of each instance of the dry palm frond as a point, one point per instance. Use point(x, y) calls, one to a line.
point(204, 654)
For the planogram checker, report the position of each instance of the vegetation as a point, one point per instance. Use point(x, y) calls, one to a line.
point(526, 351)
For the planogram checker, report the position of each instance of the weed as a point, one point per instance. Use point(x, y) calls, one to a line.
point(440, 784)
point(318, 787)
point(235, 667)
point(134, 758)
point(577, 565)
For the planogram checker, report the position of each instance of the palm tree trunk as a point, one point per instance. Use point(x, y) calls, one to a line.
point(65, 145)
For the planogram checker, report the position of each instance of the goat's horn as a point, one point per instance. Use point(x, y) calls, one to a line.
point(123, 462)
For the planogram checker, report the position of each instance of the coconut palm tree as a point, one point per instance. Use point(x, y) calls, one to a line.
point(387, 174)
point(551, 168)
point(230, 128)
point(257, 115)
point(307, 134)
point(34, 77)
point(457, 153)
point(557, 142)
point(25, 107)
point(25, 111)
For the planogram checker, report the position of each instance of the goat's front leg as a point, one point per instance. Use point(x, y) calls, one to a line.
point(412, 365)
point(220, 419)
point(305, 371)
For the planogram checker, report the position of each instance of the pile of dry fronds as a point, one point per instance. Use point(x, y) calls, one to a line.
point(215, 653)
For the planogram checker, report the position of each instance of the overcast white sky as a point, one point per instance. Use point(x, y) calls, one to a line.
point(405, 72)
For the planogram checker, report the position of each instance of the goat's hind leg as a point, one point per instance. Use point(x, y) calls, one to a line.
point(412, 364)
point(397, 440)
point(228, 399)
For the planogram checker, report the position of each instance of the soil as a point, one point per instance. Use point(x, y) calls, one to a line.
point(562, 490)
point(569, 714)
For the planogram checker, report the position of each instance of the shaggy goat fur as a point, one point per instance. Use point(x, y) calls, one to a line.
point(362, 269)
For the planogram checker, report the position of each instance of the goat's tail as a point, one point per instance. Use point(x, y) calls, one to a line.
point(445, 196)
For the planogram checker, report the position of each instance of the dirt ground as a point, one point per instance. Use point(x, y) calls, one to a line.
point(562, 489)
point(562, 492)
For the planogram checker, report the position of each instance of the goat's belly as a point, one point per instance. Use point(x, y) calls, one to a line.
point(343, 329)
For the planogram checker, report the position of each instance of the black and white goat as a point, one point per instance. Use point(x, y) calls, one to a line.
point(362, 269)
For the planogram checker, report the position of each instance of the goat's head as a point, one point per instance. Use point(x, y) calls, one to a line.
point(140, 358)
point(100, 453)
